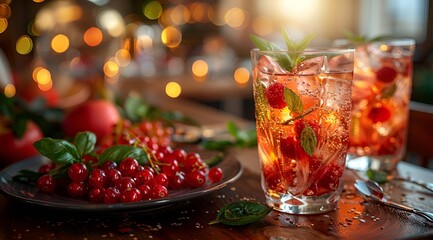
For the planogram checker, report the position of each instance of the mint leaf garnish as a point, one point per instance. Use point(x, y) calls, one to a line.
point(388, 92)
point(378, 176)
point(294, 102)
point(286, 60)
point(85, 142)
point(241, 213)
point(308, 140)
point(59, 151)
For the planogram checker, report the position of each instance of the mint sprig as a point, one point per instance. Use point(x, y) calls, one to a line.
point(288, 60)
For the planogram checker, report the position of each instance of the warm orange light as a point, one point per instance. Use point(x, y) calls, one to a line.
point(3, 24)
point(173, 89)
point(262, 26)
point(111, 68)
point(93, 36)
point(122, 57)
point(60, 43)
point(5, 11)
point(10, 90)
point(198, 12)
point(242, 75)
point(200, 69)
point(24, 45)
point(35, 73)
point(45, 87)
point(234, 17)
point(43, 76)
point(171, 37)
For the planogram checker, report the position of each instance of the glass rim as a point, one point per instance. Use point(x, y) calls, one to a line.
point(389, 41)
point(309, 51)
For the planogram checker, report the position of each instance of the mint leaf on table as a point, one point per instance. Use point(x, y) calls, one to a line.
point(241, 213)
point(377, 176)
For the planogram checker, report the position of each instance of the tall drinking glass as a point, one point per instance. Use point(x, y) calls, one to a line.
point(302, 119)
point(380, 104)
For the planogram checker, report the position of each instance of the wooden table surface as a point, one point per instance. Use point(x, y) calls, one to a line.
point(353, 219)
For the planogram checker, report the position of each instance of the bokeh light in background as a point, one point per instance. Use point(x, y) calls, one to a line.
point(111, 68)
point(171, 37)
point(60, 43)
point(3, 24)
point(24, 45)
point(200, 69)
point(173, 89)
point(10, 90)
point(5, 10)
point(93, 36)
point(241, 76)
point(152, 10)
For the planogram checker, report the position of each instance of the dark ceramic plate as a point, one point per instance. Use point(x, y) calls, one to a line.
point(29, 194)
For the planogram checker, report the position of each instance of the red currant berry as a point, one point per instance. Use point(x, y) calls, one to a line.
point(275, 96)
point(170, 167)
point(95, 195)
point(107, 165)
point(215, 174)
point(144, 177)
point(97, 178)
point(130, 195)
point(179, 155)
point(192, 162)
point(386, 74)
point(46, 183)
point(45, 168)
point(78, 172)
point(77, 189)
point(145, 192)
point(111, 195)
point(177, 181)
point(158, 191)
point(196, 179)
point(128, 167)
point(125, 183)
point(161, 179)
point(113, 175)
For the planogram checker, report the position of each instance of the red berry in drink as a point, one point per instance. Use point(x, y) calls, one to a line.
point(77, 189)
point(288, 146)
point(386, 74)
point(302, 123)
point(77, 172)
point(130, 195)
point(215, 174)
point(128, 167)
point(379, 113)
point(97, 178)
point(46, 183)
point(275, 96)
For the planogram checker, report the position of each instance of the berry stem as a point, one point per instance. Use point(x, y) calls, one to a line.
point(290, 121)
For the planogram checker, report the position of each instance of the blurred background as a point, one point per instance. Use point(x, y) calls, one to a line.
point(70, 50)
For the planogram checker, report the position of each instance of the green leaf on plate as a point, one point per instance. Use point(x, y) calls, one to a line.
point(119, 152)
point(85, 142)
point(378, 176)
point(58, 150)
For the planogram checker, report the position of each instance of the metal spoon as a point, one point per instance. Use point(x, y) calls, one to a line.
point(371, 191)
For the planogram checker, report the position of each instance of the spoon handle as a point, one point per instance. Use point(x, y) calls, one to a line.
point(424, 214)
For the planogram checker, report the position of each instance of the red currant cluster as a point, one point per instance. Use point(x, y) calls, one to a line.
point(128, 180)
